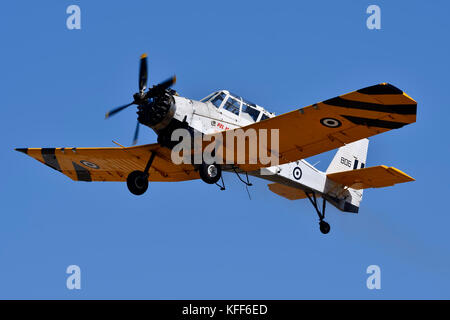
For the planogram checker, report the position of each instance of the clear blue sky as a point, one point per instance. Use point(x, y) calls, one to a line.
point(189, 240)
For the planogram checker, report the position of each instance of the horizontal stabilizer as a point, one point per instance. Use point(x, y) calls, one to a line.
point(372, 177)
point(286, 191)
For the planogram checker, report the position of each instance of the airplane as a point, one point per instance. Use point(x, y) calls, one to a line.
point(343, 123)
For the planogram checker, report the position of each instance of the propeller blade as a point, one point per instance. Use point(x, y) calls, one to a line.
point(116, 110)
point(168, 83)
point(160, 87)
point(136, 134)
point(143, 73)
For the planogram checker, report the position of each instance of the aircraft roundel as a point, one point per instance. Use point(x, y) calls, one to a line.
point(297, 173)
point(330, 122)
point(89, 164)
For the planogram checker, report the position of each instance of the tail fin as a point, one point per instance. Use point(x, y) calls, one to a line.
point(350, 157)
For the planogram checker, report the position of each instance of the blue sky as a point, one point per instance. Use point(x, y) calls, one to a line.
point(189, 240)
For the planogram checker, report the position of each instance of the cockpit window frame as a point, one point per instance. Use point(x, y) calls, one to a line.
point(243, 104)
point(225, 101)
point(254, 110)
point(209, 97)
point(224, 98)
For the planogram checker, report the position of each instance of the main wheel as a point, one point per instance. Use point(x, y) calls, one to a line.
point(210, 173)
point(137, 182)
point(324, 227)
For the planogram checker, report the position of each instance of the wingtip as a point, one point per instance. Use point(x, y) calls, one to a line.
point(107, 115)
point(401, 173)
point(23, 150)
point(406, 95)
point(392, 87)
point(143, 56)
point(174, 79)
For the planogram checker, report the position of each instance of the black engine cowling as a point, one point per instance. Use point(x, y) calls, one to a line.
point(158, 112)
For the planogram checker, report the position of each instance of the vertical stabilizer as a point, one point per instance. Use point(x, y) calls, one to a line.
point(352, 156)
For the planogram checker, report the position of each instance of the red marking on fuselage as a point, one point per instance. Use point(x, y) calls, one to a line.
point(221, 126)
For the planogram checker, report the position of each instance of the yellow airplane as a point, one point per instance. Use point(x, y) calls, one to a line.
point(344, 122)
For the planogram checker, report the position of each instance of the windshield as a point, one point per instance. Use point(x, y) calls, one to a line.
point(217, 101)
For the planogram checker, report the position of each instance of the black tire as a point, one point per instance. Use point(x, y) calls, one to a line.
point(210, 173)
point(137, 182)
point(324, 227)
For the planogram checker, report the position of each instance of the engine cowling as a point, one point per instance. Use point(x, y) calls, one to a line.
point(158, 112)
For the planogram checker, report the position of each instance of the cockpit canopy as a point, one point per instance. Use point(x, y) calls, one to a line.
point(237, 105)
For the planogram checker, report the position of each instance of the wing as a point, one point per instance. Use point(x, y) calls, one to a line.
point(372, 177)
point(112, 164)
point(330, 124)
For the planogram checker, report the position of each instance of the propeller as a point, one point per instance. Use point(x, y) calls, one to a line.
point(141, 98)
point(116, 110)
point(143, 74)
point(136, 133)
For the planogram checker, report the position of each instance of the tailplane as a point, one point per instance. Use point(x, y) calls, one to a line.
point(348, 170)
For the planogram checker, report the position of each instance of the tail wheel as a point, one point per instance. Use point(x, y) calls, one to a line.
point(137, 182)
point(210, 173)
point(324, 227)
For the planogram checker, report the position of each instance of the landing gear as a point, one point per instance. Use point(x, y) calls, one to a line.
point(210, 173)
point(323, 225)
point(137, 181)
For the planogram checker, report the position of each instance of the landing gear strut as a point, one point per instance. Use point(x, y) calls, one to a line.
point(137, 181)
point(323, 225)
